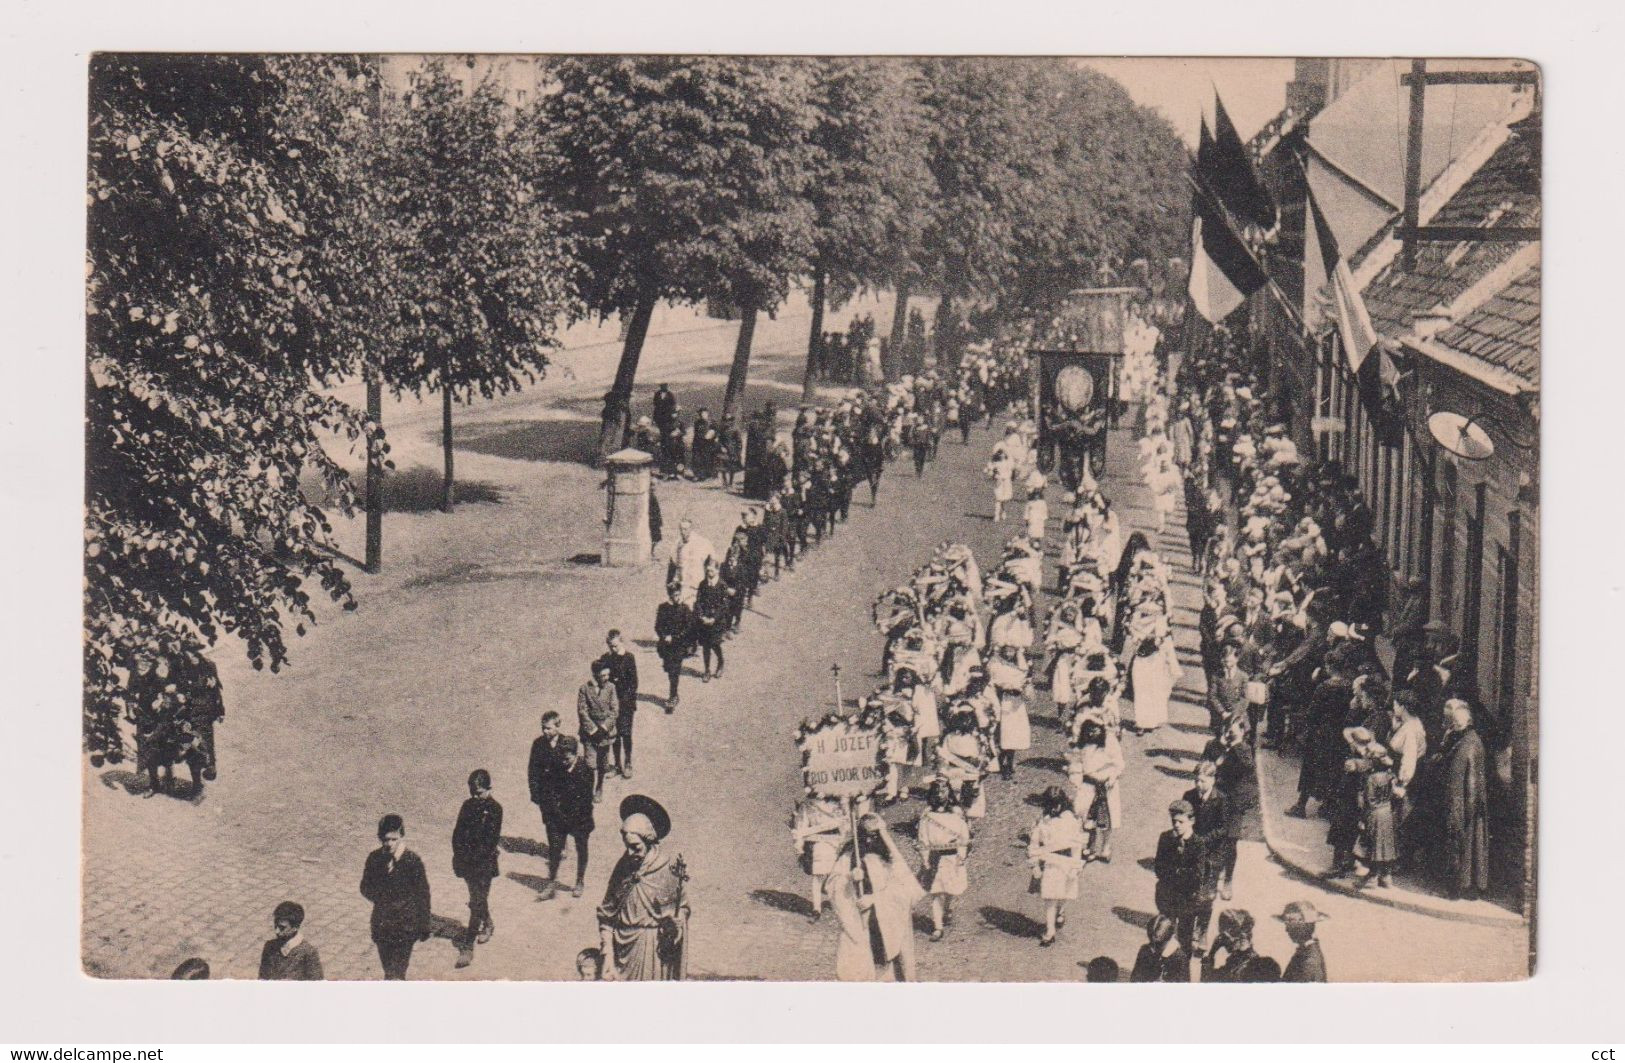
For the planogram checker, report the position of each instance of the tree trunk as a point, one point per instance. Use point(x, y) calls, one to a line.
point(815, 341)
point(899, 317)
point(947, 331)
point(736, 373)
point(375, 477)
point(613, 433)
point(448, 494)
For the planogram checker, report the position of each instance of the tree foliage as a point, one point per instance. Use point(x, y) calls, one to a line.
point(683, 179)
point(480, 271)
point(871, 189)
point(210, 320)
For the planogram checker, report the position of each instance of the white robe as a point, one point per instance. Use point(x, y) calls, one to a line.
point(1153, 685)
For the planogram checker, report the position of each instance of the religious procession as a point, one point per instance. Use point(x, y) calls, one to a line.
point(1074, 595)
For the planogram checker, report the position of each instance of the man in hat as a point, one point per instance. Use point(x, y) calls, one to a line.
point(1241, 963)
point(643, 920)
point(1307, 963)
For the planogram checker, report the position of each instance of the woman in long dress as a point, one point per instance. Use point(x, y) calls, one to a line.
point(944, 837)
point(1153, 666)
point(874, 900)
point(1055, 851)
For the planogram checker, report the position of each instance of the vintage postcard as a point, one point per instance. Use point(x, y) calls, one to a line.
point(656, 517)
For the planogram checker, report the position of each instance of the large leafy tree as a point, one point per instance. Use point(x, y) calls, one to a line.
point(1118, 168)
point(870, 187)
point(482, 271)
point(677, 174)
point(211, 320)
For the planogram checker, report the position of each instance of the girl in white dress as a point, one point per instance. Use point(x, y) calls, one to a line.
point(944, 837)
point(1036, 514)
point(961, 762)
point(1002, 471)
point(1094, 764)
point(818, 828)
point(1153, 666)
point(1009, 678)
point(1055, 852)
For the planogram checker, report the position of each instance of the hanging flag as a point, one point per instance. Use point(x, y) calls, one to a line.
point(1369, 359)
point(1223, 272)
point(1204, 151)
point(1231, 175)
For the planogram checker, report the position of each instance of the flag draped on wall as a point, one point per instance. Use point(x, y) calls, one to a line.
point(1368, 359)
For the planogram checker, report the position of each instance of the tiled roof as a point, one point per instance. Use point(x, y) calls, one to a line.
point(1505, 331)
point(1504, 192)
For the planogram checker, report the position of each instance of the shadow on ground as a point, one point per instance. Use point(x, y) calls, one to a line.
point(523, 846)
point(1132, 916)
point(1013, 923)
point(414, 490)
point(550, 440)
point(784, 901)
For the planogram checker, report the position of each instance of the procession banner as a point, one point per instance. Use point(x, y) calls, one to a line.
point(841, 756)
point(1073, 389)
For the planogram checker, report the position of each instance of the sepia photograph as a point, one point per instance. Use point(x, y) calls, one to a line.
point(629, 517)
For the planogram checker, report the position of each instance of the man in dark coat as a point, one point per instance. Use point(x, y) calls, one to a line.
point(674, 632)
point(1323, 745)
point(474, 857)
point(665, 409)
point(1466, 834)
point(1307, 963)
point(1184, 884)
point(398, 887)
point(623, 672)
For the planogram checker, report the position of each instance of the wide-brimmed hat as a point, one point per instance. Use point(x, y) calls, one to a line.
point(1302, 912)
point(1358, 737)
point(649, 808)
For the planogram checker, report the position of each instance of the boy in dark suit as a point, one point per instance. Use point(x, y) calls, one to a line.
point(398, 887)
point(623, 672)
point(1184, 879)
point(674, 627)
point(474, 857)
point(288, 957)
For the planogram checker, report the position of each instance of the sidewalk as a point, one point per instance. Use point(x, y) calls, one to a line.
point(1300, 845)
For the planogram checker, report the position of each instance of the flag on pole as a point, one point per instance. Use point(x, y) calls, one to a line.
point(1369, 360)
point(1231, 175)
point(1223, 272)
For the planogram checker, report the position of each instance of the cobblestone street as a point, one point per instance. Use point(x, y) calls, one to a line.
point(480, 622)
